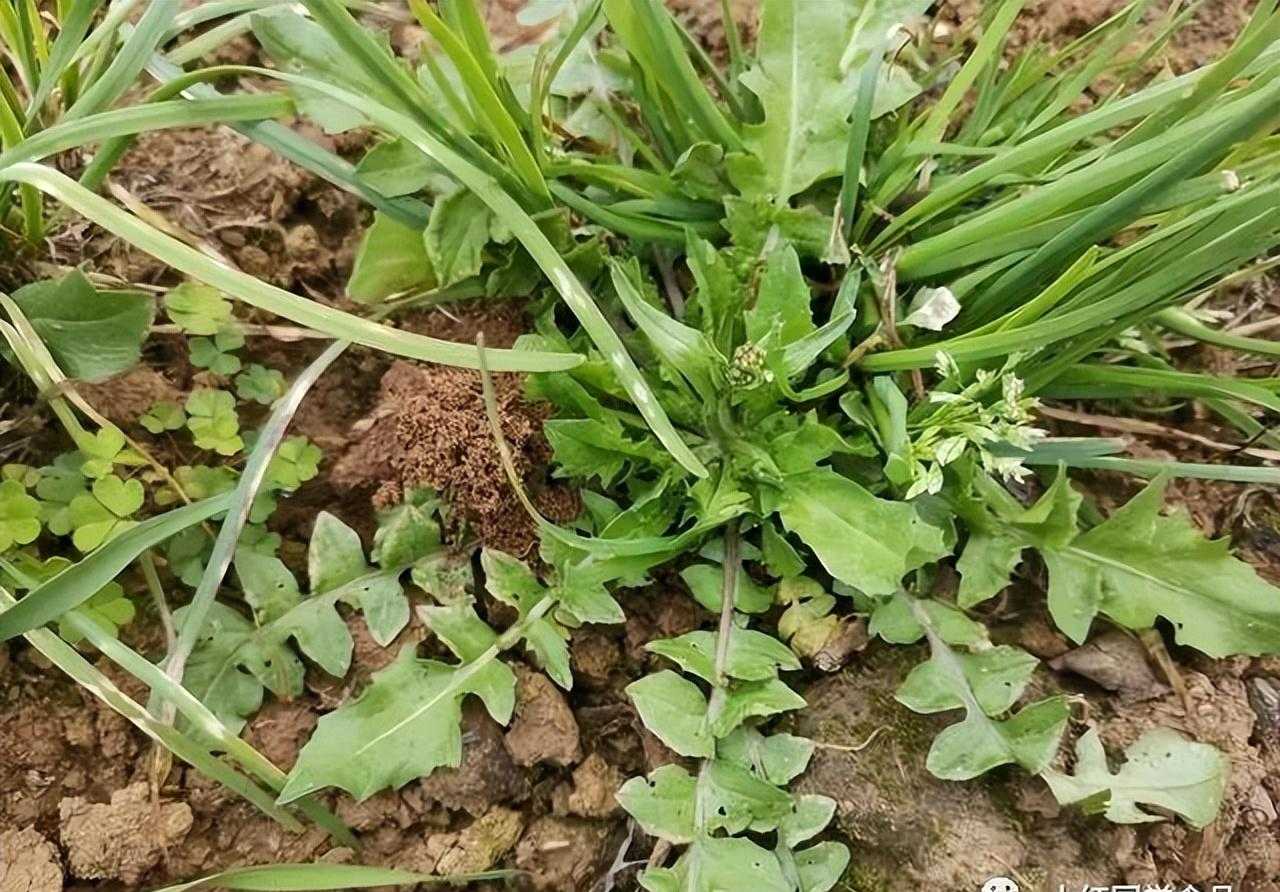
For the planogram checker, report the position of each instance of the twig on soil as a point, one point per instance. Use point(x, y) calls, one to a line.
point(845, 748)
point(1159, 654)
point(499, 439)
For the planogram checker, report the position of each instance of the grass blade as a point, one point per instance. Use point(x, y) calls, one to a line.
point(76, 584)
point(255, 472)
point(129, 61)
point(337, 324)
point(66, 658)
point(527, 232)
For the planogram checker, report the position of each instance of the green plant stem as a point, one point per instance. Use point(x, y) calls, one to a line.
point(732, 566)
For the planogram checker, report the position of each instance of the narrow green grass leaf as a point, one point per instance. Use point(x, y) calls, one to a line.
point(66, 658)
point(128, 62)
point(337, 324)
point(528, 233)
point(242, 497)
point(76, 584)
point(72, 29)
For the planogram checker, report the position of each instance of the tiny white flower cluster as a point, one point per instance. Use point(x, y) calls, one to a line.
point(965, 419)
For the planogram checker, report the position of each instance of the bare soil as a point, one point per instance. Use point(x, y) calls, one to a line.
point(77, 808)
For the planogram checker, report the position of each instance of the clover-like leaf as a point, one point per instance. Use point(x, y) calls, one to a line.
point(197, 309)
point(109, 609)
point(213, 421)
point(57, 488)
point(295, 462)
point(215, 354)
point(104, 511)
point(164, 416)
point(19, 515)
point(260, 384)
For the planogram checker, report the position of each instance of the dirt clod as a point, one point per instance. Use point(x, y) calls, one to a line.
point(429, 428)
point(122, 839)
point(591, 795)
point(544, 729)
point(565, 853)
point(28, 862)
point(487, 775)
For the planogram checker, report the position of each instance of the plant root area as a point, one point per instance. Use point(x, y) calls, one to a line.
point(84, 804)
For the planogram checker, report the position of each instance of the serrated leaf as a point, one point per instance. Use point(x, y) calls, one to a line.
point(807, 87)
point(674, 710)
point(863, 541)
point(272, 591)
point(512, 582)
point(1140, 565)
point(997, 677)
point(1162, 768)
point(974, 746)
point(403, 726)
point(456, 236)
point(979, 743)
point(91, 334)
point(231, 664)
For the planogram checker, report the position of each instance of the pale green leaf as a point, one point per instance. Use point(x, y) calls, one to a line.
point(751, 656)
point(1162, 768)
point(863, 541)
point(456, 236)
point(403, 726)
point(662, 804)
point(675, 710)
point(1140, 565)
point(392, 259)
